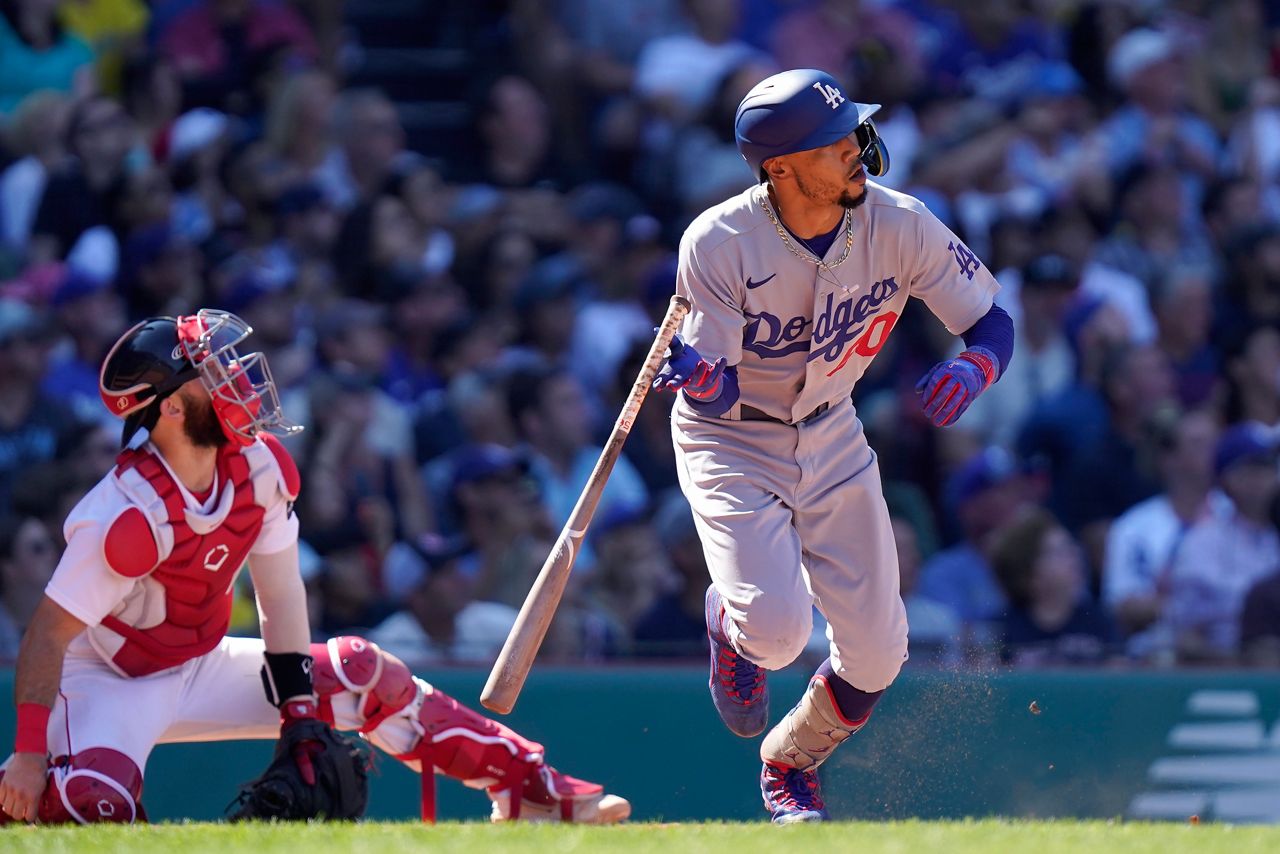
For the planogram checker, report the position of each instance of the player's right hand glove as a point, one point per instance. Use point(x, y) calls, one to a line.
point(948, 389)
point(687, 370)
point(316, 773)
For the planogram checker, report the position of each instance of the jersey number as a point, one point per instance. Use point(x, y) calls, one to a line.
point(870, 342)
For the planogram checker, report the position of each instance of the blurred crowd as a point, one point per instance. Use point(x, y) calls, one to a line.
point(456, 280)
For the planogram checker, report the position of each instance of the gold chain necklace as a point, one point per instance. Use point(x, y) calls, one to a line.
point(808, 254)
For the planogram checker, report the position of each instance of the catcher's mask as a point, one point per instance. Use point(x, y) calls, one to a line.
point(155, 358)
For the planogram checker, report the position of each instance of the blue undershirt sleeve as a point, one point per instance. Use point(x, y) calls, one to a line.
point(994, 331)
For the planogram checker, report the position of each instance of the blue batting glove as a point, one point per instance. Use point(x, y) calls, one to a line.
point(949, 388)
point(687, 370)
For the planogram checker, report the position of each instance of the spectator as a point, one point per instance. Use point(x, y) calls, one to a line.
point(152, 94)
point(299, 131)
point(550, 410)
point(937, 633)
point(28, 555)
point(161, 273)
point(675, 624)
point(676, 75)
point(1144, 541)
point(371, 138)
point(1252, 361)
point(1222, 557)
point(90, 315)
point(1061, 425)
point(1183, 304)
point(1112, 474)
point(984, 492)
point(418, 183)
point(441, 622)
point(515, 131)
point(1155, 233)
point(834, 35)
point(1155, 126)
point(220, 46)
point(1260, 624)
point(33, 428)
point(495, 507)
point(37, 53)
point(1051, 620)
point(36, 131)
point(632, 575)
point(1044, 365)
point(362, 451)
point(1049, 156)
point(116, 30)
point(81, 199)
point(614, 245)
point(1234, 55)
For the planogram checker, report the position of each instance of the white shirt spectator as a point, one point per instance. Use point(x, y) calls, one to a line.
point(1141, 546)
point(1219, 561)
point(685, 70)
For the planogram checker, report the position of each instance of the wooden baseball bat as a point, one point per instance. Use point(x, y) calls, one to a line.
point(512, 666)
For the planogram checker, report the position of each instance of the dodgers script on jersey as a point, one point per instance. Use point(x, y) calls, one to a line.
point(801, 336)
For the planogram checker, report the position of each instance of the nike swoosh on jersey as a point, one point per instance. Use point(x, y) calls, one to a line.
point(753, 285)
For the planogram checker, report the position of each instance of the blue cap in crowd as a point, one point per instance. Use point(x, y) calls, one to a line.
point(1248, 442)
point(481, 462)
point(985, 469)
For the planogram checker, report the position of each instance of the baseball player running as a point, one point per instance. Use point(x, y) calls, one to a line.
point(795, 286)
point(128, 647)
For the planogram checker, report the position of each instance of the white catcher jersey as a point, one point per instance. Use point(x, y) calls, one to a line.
point(801, 336)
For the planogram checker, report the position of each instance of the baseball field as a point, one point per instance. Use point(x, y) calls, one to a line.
point(1021, 837)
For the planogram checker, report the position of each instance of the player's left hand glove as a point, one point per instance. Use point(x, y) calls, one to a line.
point(948, 389)
point(315, 773)
point(686, 369)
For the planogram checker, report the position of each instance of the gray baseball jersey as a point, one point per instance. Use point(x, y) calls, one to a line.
point(792, 513)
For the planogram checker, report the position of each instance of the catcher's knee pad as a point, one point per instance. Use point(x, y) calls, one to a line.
point(810, 731)
point(94, 785)
point(382, 682)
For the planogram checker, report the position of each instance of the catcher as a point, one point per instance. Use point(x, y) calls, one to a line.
point(128, 648)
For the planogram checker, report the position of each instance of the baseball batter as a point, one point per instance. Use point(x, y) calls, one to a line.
point(128, 648)
point(796, 285)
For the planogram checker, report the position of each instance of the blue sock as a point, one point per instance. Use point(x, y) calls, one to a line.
point(854, 704)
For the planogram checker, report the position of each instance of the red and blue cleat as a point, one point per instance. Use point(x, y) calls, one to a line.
point(790, 795)
point(738, 687)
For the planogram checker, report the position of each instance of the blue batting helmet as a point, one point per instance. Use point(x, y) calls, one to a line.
point(802, 109)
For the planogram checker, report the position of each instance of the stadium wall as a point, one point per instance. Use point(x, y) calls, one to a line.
point(1088, 744)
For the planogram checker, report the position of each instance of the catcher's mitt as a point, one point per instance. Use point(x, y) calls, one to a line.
point(315, 773)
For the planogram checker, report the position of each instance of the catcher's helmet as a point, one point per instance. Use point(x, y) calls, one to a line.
point(155, 358)
point(802, 109)
point(146, 365)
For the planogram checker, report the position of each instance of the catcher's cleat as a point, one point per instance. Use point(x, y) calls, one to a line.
point(738, 687)
point(548, 795)
point(792, 795)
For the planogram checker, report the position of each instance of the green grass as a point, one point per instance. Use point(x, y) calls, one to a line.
point(1021, 837)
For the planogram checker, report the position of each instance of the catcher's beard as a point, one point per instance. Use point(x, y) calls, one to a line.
point(201, 424)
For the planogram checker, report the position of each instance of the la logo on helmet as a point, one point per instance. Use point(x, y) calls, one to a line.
point(830, 94)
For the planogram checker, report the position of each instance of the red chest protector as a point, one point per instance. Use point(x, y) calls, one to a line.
point(186, 562)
